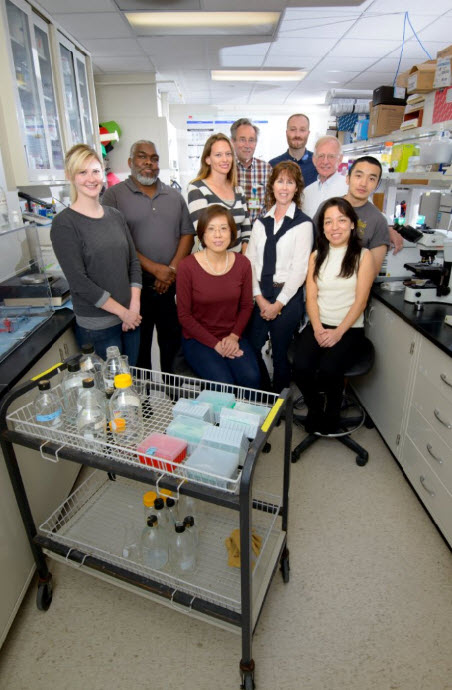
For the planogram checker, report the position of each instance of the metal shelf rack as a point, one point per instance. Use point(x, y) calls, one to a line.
point(85, 531)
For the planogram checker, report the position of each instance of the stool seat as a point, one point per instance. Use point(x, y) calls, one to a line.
point(362, 365)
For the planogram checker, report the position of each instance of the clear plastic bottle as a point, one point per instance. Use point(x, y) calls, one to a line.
point(91, 420)
point(187, 506)
point(386, 156)
point(189, 522)
point(48, 409)
point(182, 550)
point(153, 545)
point(171, 510)
point(92, 365)
point(114, 364)
point(163, 518)
point(126, 414)
point(72, 385)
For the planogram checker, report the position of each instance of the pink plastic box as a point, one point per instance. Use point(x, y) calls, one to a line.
point(164, 448)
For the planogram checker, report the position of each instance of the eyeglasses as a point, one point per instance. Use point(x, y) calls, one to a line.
point(328, 156)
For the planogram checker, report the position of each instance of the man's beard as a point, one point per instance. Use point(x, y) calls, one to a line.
point(143, 179)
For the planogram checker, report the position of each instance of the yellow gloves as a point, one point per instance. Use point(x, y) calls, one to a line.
point(233, 546)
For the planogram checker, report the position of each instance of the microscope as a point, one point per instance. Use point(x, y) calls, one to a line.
point(432, 281)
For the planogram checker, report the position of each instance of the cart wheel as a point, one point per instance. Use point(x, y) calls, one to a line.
point(361, 461)
point(295, 455)
point(368, 423)
point(285, 570)
point(248, 682)
point(111, 476)
point(267, 448)
point(44, 595)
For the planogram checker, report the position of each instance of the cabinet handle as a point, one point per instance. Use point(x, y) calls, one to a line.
point(443, 377)
point(438, 417)
point(425, 487)
point(429, 448)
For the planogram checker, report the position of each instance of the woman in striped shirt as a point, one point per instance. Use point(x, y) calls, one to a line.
point(216, 183)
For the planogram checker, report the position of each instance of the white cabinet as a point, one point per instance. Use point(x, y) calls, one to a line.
point(47, 485)
point(47, 100)
point(408, 395)
point(394, 343)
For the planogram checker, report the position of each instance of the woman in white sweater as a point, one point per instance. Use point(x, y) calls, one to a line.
point(340, 276)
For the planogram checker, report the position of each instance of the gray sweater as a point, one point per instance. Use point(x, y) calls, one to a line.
point(99, 261)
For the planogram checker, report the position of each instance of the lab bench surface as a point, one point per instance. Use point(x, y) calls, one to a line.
point(429, 322)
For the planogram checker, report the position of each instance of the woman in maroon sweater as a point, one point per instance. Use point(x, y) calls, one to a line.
point(214, 304)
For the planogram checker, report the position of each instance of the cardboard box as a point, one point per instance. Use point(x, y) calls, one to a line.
point(402, 79)
point(385, 119)
point(421, 77)
point(446, 52)
point(389, 95)
point(443, 72)
point(442, 106)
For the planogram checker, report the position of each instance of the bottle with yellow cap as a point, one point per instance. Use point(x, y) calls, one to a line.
point(126, 421)
point(148, 503)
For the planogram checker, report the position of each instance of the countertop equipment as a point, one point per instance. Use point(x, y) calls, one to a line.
point(432, 281)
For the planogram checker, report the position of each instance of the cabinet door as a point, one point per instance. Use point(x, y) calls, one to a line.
point(28, 97)
point(384, 390)
point(85, 107)
point(71, 99)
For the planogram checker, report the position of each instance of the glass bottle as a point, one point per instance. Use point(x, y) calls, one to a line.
point(162, 515)
point(171, 511)
point(153, 545)
point(114, 364)
point(92, 364)
point(91, 421)
point(126, 414)
point(189, 522)
point(72, 385)
point(182, 550)
point(386, 156)
point(148, 503)
point(47, 406)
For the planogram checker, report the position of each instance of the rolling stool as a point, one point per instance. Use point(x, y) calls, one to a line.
point(362, 365)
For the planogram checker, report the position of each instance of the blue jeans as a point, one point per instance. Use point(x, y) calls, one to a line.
point(127, 341)
point(209, 365)
point(281, 331)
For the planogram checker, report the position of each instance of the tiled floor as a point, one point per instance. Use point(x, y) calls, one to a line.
point(368, 605)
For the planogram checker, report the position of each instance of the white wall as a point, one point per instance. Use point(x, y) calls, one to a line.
point(272, 140)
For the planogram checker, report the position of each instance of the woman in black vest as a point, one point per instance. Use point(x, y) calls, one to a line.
point(279, 250)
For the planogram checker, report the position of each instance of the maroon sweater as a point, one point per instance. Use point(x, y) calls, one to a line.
point(211, 307)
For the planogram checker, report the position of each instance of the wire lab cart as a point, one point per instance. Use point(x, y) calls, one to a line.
point(87, 530)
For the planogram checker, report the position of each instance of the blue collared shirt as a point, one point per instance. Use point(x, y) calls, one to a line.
point(306, 165)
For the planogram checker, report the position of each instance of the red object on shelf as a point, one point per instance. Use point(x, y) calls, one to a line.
point(442, 107)
point(165, 448)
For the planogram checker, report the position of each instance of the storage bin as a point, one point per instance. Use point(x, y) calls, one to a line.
point(188, 428)
point(208, 465)
point(249, 422)
point(193, 408)
point(231, 440)
point(163, 447)
point(218, 400)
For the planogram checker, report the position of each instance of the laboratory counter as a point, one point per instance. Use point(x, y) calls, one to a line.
point(429, 321)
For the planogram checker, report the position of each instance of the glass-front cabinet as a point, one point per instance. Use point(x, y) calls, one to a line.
point(76, 95)
point(35, 94)
point(47, 94)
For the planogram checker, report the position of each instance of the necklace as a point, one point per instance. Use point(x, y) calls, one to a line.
point(217, 273)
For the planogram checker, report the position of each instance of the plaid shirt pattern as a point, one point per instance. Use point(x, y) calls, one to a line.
point(254, 177)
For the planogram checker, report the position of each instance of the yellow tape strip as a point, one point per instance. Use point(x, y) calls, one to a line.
point(47, 371)
point(271, 415)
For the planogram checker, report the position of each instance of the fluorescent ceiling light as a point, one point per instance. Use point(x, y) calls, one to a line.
point(203, 23)
point(257, 75)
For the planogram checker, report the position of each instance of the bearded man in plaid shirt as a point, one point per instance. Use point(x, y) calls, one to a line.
point(253, 173)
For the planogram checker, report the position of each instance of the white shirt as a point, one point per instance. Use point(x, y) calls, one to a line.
point(335, 294)
point(292, 254)
point(318, 192)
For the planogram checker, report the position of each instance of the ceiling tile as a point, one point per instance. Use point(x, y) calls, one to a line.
point(245, 61)
point(290, 61)
point(105, 47)
point(414, 6)
point(99, 25)
point(353, 64)
point(413, 51)
point(292, 46)
point(55, 7)
point(124, 64)
point(440, 30)
point(389, 26)
point(315, 28)
point(368, 48)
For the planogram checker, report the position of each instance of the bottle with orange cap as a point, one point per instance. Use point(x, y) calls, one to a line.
point(126, 421)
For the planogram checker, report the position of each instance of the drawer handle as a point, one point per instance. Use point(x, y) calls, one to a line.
point(438, 417)
point(429, 448)
point(443, 377)
point(425, 487)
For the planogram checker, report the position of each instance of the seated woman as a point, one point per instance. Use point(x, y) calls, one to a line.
point(339, 279)
point(95, 250)
point(279, 250)
point(214, 303)
point(216, 183)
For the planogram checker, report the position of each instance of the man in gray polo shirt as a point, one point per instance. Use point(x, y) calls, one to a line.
point(163, 233)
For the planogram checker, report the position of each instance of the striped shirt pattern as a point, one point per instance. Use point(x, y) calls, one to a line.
point(253, 181)
point(200, 196)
